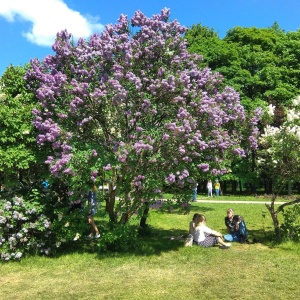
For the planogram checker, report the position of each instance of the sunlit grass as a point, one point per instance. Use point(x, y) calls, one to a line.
point(162, 268)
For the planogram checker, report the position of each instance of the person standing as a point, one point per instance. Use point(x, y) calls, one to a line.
point(209, 188)
point(217, 188)
point(194, 195)
point(92, 209)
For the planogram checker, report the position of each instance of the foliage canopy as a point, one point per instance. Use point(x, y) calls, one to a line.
point(136, 110)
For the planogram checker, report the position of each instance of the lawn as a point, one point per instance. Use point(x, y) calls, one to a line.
point(162, 268)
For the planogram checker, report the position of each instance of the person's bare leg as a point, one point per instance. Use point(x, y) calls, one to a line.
point(221, 242)
point(93, 226)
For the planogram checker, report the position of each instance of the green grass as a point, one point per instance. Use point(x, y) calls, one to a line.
point(161, 268)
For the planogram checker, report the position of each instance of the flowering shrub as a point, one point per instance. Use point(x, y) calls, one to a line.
point(279, 157)
point(135, 108)
point(170, 205)
point(23, 228)
point(280, 146)
point(29, 227)
point(186, 208)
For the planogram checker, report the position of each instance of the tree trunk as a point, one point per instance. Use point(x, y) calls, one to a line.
point(145, 215)
point(110, 200)
point(274, 216)
point(124, 218)
point(113, 187)
point(289, 188)
point(233, 187)
point(127, 214)
point(276, 224)
point(224, 188)
point(268, 186)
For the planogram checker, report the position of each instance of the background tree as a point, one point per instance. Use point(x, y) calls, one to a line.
point(134, 109)
point(261, 64)
point(279, 157)
point(21, 157)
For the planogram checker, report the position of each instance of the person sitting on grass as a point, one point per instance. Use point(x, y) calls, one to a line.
point(190, 238)
point(236, 227)
point(192, 224)
point(206, 237)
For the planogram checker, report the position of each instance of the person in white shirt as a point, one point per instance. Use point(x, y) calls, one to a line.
point(206, 237)
point(209, 188)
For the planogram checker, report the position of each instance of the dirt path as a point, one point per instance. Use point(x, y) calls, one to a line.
point(237, 201)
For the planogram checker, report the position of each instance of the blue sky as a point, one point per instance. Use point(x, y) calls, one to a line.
point(28, 27)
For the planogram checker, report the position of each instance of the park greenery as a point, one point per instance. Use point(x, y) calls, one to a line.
point(158, 267)
point(146, 107)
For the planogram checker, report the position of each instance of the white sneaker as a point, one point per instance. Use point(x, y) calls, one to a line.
point(97, 235)
point(90, 236)
point(189, 241)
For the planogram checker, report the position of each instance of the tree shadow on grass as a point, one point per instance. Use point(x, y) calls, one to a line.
point(200, 209)
point(151, 241)
point(192, 209)
point(263, 237)
point(155, 242)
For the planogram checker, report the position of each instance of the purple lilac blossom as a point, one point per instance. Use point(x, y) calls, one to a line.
point(142, 101)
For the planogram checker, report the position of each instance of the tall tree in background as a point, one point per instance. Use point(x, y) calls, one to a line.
point(21, 157)
point(261, 64)
point(135, 109)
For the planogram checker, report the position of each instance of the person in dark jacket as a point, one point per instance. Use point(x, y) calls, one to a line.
point(236, 228)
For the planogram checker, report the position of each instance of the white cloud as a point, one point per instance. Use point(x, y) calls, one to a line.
point(48, 17)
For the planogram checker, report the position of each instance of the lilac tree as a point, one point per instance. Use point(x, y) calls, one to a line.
point(279, 158)
point(132, 107)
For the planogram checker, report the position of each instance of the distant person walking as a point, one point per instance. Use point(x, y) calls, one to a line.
point(194, 195)
point(92, 209)
point(209, 187)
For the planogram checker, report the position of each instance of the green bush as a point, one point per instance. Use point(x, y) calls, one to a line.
point(291, 225)
point(119, 237)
